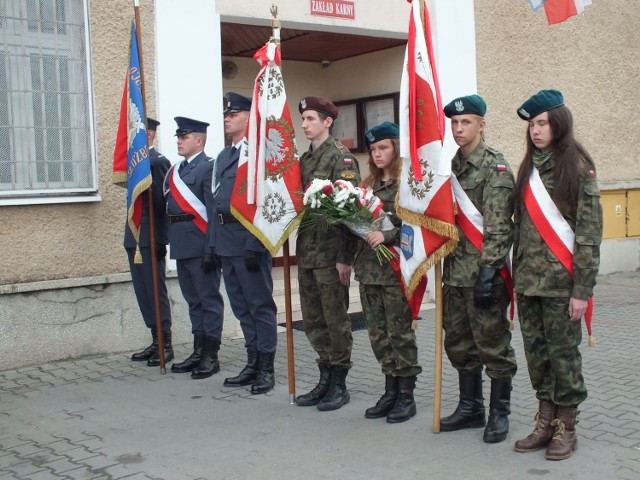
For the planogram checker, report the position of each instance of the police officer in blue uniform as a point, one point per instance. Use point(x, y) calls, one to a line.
point(141, 273)
point(185, 190)
point(246, 263)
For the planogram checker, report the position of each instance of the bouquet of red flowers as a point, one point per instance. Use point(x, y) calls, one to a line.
point(356, 208)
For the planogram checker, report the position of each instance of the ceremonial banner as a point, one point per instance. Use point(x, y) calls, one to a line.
point(134, 169)
point(425, 198)
point(267, 196)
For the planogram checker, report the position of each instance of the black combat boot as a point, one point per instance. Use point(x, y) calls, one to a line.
point(470, 410)
point(386, 401)
point(192, 360)
point(405, 406)
point(148, 352)
point(338, 395)
point(154, 361)
point(266, 379)
point(209, 363)
point(319, 391)
point(248, 374)
point(499, 410)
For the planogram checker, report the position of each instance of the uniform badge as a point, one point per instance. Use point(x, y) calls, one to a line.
point(592, 173)
point(347, 161)
point(524, 113)
point(371, 137)
point(348, 174)
point(321, 174)
point(406, 241)
point(303, 103)
point(459, 106)
point(501, 167)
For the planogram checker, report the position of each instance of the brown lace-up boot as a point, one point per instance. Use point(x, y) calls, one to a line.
point(543, 431)
point(564, 440)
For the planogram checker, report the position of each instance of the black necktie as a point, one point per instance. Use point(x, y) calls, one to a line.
point(233, 150)
point(182, 165)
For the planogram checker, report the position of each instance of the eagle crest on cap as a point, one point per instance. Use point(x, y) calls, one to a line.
point(303, 103)
point(459, 106)
point(524, 113)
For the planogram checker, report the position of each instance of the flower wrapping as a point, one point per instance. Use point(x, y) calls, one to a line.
point(358, 209)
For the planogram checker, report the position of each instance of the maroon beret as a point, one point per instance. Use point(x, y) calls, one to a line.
point(318, 104)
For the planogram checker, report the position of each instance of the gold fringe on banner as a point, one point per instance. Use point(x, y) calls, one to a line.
point(119, 179)
point(137, 258)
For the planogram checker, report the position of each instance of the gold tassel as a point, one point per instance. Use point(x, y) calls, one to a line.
point(592, 341)
point(512, 325)
point(137, 258)
point(414, 325)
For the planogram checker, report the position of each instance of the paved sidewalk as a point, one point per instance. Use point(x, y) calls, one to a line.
point(106, 417)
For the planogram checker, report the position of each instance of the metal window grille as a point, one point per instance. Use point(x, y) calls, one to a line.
point(46, 113)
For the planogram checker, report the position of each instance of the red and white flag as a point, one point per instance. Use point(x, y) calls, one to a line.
point(425, 198)
point(559, 10)
point(267, 195)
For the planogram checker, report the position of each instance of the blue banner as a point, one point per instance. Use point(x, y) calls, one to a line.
point(138, 162)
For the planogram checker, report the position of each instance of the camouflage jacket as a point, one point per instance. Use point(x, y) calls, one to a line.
point(488, 181)
point(319, 247)
point(367, 267)
point(537, 271)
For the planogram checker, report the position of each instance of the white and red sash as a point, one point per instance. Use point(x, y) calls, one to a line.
point(187, 201)
point(553, 228)
point(471, 222)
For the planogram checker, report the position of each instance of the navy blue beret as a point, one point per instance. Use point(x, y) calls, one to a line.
point(469, 104)
point(543, 101)
point(382, 132)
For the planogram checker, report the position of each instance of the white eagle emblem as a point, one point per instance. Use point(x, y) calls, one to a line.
point(459, 106)
point(524, 113)
point(136, 122)
point(303, 103)
point(276, 150)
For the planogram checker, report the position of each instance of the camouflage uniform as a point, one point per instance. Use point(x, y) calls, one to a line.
point(323, 299)
point(474, 336)
point(384, 305)
point(544, 288)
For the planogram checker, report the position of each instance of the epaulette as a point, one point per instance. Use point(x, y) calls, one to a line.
point(344, 150)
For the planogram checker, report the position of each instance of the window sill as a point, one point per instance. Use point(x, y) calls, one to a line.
point(46, 200)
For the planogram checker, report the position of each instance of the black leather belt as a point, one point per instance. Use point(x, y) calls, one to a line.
point(185, 217)
point(226, 218)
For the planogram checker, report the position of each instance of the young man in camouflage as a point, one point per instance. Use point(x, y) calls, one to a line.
point(324, 259)
point(475, 294)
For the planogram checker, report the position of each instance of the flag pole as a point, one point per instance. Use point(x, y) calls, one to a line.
point(152, 229)
point(437, 382)
point(286, 265)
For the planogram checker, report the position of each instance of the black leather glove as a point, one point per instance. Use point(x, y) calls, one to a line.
point(482, 289)
point(209, 262)
point(161, 251)
point(252, 261)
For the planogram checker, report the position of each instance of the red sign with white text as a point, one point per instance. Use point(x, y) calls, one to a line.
point(334, 8)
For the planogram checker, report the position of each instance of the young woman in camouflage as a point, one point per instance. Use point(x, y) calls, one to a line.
point(552, 299)
point(385, 307)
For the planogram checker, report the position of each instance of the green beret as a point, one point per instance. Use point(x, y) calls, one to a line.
point(543, 101)
point(471, 104)
point(382, 132)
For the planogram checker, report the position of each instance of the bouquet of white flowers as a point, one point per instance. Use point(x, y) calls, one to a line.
point(341, 203)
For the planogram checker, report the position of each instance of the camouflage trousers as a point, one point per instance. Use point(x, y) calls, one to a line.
point(389, 323)
point(551, 346)
point(324, 303)
point(475, 337)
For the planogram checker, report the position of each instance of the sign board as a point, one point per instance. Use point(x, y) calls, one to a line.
point(334, 8)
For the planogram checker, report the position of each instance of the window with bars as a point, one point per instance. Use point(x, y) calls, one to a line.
point(46, 120)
